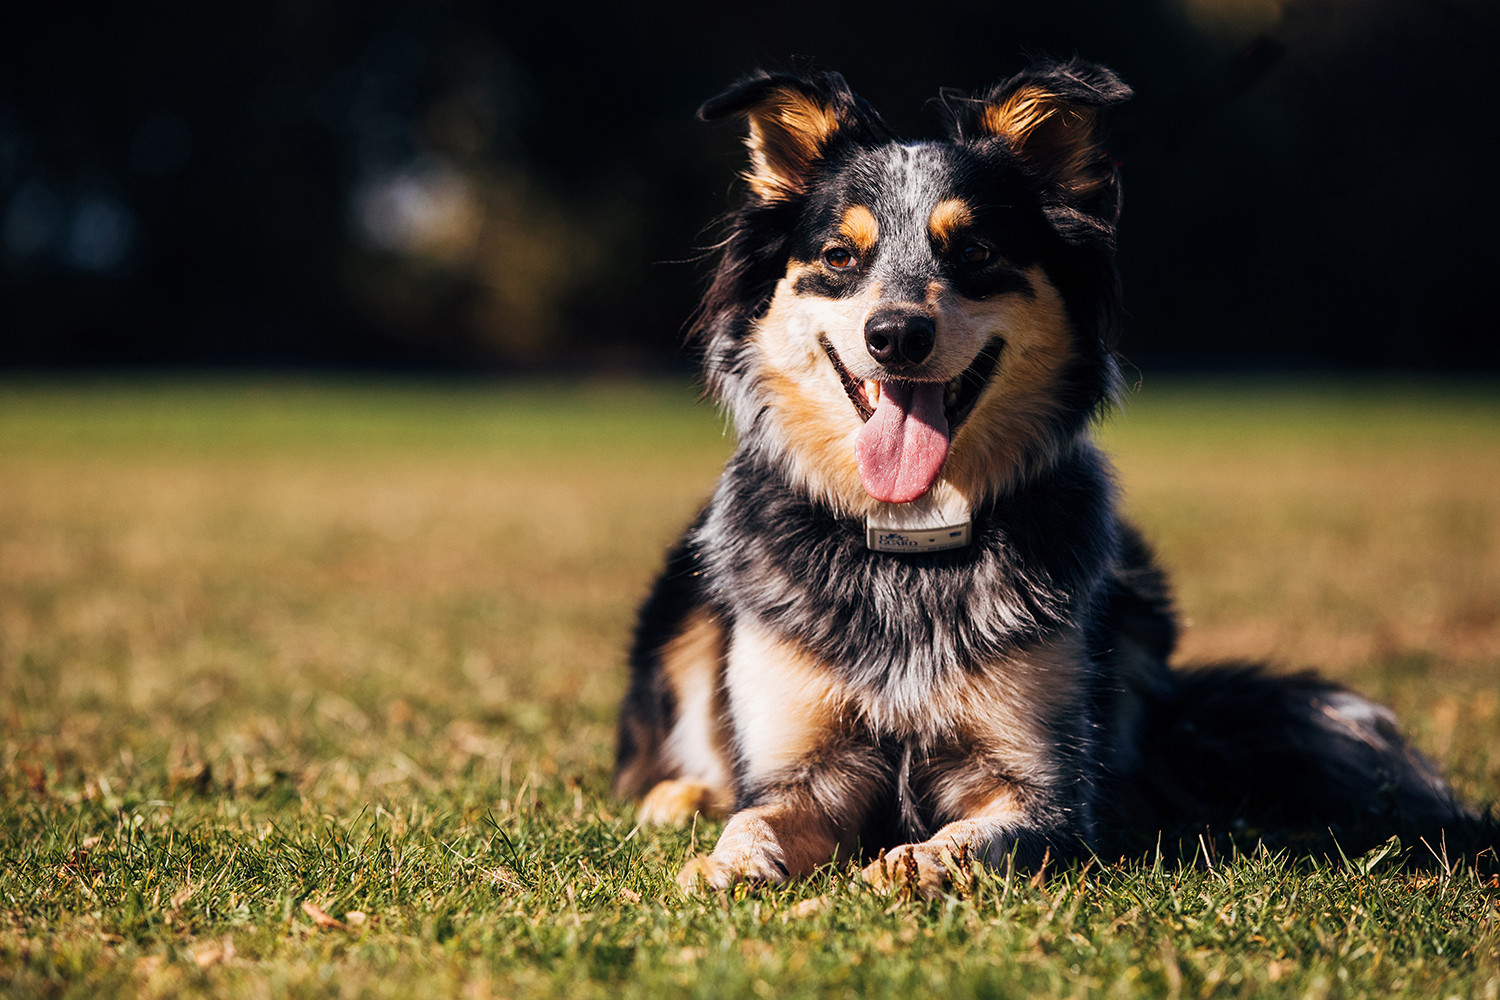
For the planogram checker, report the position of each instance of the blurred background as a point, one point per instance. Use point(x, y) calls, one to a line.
point(507, 187)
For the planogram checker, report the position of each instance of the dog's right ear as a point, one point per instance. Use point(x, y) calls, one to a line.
point(794, 122)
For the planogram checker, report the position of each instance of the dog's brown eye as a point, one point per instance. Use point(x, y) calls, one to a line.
point(839, 259)
point(975, 253)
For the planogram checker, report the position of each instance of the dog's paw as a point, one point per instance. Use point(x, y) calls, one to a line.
point(704, 874)
point(920, 869)
point(710, 871)
point(747, 852)
point(673, 803)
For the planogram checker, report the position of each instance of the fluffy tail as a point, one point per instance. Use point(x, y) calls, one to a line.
point(1290, 761)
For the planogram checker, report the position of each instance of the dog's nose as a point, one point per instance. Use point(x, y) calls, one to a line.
point(899, 339)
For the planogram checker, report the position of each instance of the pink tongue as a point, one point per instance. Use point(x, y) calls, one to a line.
point(901, 448)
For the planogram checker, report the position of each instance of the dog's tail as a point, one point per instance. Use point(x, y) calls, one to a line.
point(1291, 761)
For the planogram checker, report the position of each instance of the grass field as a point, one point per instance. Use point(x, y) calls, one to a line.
point(307, 689)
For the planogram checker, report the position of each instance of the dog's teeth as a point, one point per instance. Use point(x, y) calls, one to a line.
point(872, 392)
point(950, 394)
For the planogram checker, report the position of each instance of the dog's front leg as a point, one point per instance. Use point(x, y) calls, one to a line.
point(1013, 778)
point(786, 836)
point(928, 866)
point(1014, 826)
point(806, 772)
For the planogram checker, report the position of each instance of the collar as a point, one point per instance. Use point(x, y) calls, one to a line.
point(936, 522)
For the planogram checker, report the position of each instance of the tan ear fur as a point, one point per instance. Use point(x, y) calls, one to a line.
point(1058, 135)
point(788, 133)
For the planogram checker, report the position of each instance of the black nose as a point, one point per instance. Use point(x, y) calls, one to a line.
point(897, 339)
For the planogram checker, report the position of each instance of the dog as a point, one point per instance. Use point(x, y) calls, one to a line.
point(910, 623)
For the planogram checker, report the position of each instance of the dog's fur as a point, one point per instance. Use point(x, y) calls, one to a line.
point(1007, 700)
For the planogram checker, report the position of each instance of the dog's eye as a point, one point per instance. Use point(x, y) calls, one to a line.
point(839, 259)
point(974, 253)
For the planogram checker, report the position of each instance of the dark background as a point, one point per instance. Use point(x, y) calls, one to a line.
point(462, 185)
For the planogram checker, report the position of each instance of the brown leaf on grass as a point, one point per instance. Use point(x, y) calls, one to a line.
point(197, 775)
point(148, 966)
point(77, 862)
point(214, 954)
point(807, 908)
point(321, 918)
point(36, 776)
point(179, 899)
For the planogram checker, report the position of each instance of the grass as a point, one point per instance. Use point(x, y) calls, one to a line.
point(307, 689)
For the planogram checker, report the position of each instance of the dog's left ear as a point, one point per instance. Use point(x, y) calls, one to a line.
point(1049, 117)
point(795, 121)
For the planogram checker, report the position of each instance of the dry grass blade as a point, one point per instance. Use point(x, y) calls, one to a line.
point(321, 918)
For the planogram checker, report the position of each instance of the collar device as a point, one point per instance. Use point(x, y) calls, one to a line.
point(924, 525)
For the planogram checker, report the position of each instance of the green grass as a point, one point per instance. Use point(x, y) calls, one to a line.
point(357, 645)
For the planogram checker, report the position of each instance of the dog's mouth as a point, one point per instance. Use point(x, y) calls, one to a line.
point(908, 423)
point(960, 393)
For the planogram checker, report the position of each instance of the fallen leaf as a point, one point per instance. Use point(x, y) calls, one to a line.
point(321, 918)
point(215, 954)
point(36, 776)
point(808, 908)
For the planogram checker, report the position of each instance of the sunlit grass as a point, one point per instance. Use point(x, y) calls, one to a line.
point(358, 645)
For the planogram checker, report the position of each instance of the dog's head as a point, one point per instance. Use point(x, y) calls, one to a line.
point(889, 317)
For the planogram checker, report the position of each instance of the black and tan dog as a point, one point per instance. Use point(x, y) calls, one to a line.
point(910, 617)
